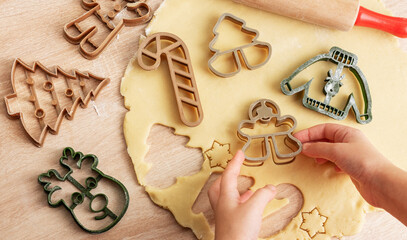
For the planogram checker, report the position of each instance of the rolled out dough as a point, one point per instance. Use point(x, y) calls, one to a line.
point(225, 102)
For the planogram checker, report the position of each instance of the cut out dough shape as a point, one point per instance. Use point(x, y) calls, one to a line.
point(168, 149)
point(313, 222)
point(225, 103)
point(273, 223)
point(219, 154)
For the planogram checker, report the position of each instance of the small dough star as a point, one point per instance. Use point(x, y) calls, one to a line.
point(313, 222)
point(219, 154)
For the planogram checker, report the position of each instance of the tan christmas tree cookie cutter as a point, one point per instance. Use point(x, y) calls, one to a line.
point(263, 111)
point(48, 86)
point(238, 53)
point(187, 82)
point(94, 8)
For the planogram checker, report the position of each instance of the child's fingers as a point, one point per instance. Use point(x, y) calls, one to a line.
point(245, 196)
point(332, 132)
point(324, 150)
point(228, 184)
point(213, 192)
point(261, 197)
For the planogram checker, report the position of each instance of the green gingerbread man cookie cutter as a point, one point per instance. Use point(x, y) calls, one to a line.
point(343, 59)
point(83, 192)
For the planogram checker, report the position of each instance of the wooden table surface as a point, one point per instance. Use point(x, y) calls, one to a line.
point(32, 31)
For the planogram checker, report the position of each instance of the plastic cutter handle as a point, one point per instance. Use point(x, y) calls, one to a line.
point(394, 25)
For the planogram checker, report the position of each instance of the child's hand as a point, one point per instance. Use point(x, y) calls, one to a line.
point(350, 151)
point(237, 216)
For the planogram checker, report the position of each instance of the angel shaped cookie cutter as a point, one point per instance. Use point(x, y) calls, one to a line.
point(84, 35)
point(343, 59)
point(238, 52)
point(100, 201)
point(264, 111)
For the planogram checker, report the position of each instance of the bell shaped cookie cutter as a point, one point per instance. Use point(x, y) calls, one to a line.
point(238, 52)
point(85, 191)
point(86, 34)
point(183, 80)
point(264, 111)
point(343, 59)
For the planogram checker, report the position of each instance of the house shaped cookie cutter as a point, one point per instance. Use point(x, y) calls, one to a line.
point(238, 53)
point(343, 59)
point(263, 111)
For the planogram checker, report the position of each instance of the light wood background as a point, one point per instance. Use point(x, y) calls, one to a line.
point(32, 30)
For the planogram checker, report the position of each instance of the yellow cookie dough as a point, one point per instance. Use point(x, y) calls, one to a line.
point(332, 206)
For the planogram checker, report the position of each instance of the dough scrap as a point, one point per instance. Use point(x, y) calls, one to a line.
point(148, 96)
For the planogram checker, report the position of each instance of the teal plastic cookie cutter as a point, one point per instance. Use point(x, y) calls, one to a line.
point(343, 59)
point(85, 191)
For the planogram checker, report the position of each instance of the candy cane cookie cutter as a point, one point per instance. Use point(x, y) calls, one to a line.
point(85, 34)
point(238, 52)
point(264, 111)
point(187, 83)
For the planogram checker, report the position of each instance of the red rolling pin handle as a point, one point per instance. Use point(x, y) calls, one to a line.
point(394, 25)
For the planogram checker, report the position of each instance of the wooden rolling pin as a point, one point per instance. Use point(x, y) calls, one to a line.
point(338, 14)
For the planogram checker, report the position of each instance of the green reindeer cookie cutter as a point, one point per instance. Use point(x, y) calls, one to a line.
point(78, 197)
point(343, 59)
